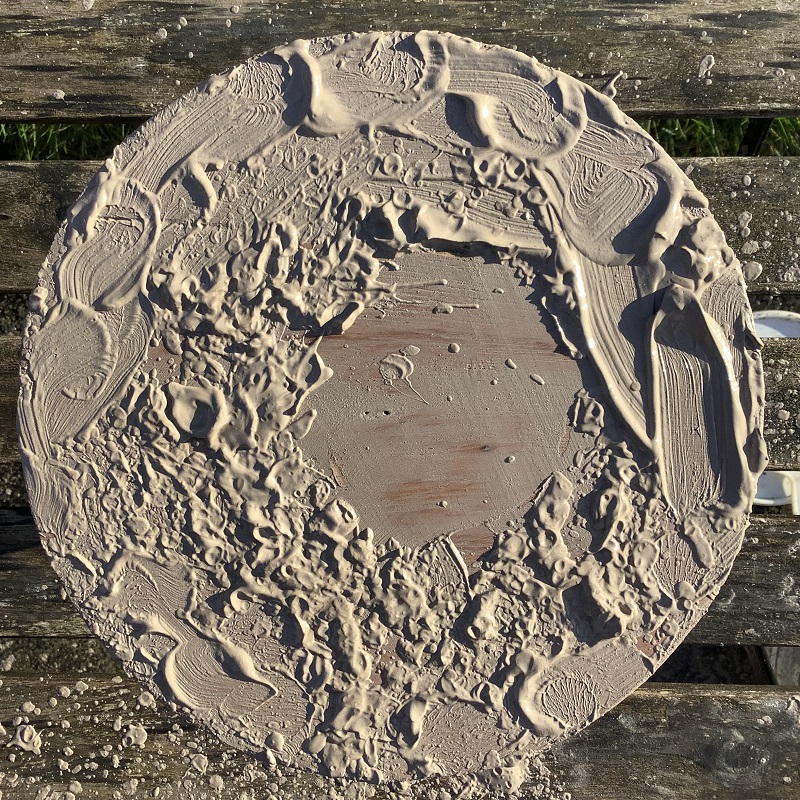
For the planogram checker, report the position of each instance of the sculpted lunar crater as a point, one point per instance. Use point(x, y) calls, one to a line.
point(389, 386)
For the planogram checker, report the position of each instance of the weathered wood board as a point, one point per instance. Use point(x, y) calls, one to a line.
point(681, 742)
point(781, 424)
point(63, 60)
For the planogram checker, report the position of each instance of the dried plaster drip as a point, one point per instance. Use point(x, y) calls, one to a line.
point(253, 218)
point(706, 63)
point(27, 738)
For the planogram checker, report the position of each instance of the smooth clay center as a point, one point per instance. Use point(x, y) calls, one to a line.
point(448, 407)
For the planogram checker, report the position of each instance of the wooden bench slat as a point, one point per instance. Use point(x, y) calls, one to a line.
point(759, 604)
point(781, 425)
point(34, 198)
point(696, 742)
point(688, 742)
point(781, 417)
point(110, 60)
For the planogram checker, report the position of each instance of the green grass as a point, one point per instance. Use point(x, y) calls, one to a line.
point(688, 138)
point(697, 137)
point(679, 137)
point(46, 142)
point(784, 138)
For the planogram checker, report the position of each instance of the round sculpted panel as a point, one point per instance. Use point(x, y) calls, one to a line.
point(388, 387)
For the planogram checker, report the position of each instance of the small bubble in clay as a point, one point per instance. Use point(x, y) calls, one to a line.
point(234, 9)
point(161, 33)
point(510, 364)
point(498, 290)
point(635, 386)
point(493, 381)
point(445, 308)
point(449, 398)
point(58, 94)
point(746, 180)
point(510, 459)
point(442, 504)
point(454, 347)
point(227, 23)
point(536, 378)
point(182, 22)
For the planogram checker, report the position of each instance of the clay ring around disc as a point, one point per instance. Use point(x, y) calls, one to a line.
point(387, 387)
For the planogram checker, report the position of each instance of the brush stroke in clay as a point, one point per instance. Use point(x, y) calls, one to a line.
point(177, 466)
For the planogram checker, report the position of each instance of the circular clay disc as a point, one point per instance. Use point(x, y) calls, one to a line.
point(387, 387)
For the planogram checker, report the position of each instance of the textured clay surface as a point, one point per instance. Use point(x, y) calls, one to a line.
point(389, 387)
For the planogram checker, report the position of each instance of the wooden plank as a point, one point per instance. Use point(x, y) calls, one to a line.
point(34, 198)
point(784, 663)
point(757, 203)
point(126, 59)
point(759, 604)
point(673, 741)
point(781, 418)
point(781, 425)
point(701, 742)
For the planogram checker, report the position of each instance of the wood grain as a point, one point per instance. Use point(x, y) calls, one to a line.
point(688, 742)
point(34, 198)
point(760, 603)
point(782, 413)
point(111, 62)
